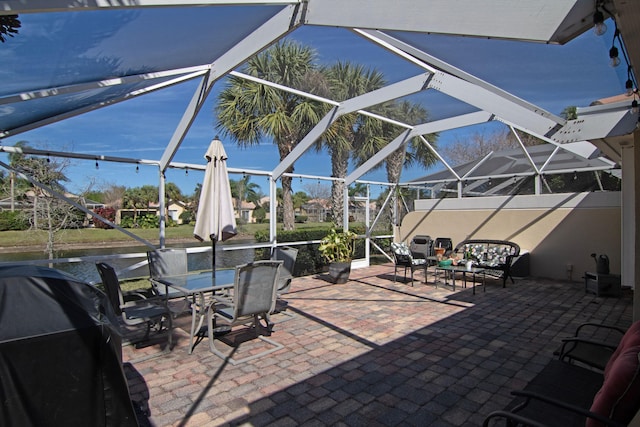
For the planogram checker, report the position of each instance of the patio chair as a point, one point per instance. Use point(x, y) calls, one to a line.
point(421, 247)
point(135, 309)
point(403, 258)
point(593, 350)
point(288, 256)
point(253, 299)
point(169, 262)
point(446, 243)
point(166, 262)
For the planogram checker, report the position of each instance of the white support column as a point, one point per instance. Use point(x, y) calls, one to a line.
point(273, 209)
point(537, 182)
point(345, 206)
point(630, 250)
point(161, 207)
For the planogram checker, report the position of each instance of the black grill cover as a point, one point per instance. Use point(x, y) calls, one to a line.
point(60, 353)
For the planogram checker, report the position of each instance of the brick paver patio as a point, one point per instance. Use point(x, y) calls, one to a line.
point(373, 352)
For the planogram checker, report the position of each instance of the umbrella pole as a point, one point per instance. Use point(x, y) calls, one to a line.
point(213, 258)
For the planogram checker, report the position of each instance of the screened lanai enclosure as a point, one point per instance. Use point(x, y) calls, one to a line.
point(466, 64)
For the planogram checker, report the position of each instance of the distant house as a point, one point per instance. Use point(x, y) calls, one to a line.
point(317, 210)
point(175, 209)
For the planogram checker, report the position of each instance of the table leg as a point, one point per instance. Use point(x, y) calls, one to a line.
point(197, 310)
point(474, 283)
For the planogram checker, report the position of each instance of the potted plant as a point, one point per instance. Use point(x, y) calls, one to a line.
point(338, 247)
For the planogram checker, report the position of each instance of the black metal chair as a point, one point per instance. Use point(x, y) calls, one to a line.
point(403, 258)
point(135, 310)
point(446, 243)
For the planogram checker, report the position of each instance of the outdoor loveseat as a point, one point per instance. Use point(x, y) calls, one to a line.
point(496, 256)
point(565, 394)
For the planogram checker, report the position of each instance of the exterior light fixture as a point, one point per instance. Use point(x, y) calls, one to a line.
point(629, 87)
point(614, 60)
point(599, 27)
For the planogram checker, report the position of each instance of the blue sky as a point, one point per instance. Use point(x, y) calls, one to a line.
point(552, 77)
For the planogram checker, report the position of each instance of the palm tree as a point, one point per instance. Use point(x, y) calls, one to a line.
point(244, 189)
point(249, 112)
point(346, 81)
point(416, 152)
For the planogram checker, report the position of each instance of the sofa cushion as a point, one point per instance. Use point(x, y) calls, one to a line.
point(488, 255)
point(400, 248)
point(619, 396)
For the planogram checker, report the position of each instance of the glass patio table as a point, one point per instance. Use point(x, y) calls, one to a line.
point(196, 286)
point(464, 270)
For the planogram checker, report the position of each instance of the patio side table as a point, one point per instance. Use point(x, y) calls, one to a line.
point(464, 270)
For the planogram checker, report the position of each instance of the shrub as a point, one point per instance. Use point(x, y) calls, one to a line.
point(309, 260)
point(13, 220)
point(148, 221)
point(107, 213)
point(187, 217)
point(259, 214)
point(127, 222)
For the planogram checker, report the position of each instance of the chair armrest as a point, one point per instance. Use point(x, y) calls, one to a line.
point(223, 299)
point(520, 420)
point(529, 395)
point(134, 296)
point(599, 326)
point(578, 340)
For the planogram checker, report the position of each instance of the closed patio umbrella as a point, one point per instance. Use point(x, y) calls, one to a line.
point(215, 218)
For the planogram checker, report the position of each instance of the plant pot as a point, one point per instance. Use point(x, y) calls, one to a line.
point(339, 272)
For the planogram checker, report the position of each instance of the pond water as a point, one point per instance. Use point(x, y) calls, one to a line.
point(87, 271)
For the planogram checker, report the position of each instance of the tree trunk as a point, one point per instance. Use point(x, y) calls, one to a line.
point(285, 147)
point(394, 169)
point(288, 216)
point(339, 166)
point(50, 232)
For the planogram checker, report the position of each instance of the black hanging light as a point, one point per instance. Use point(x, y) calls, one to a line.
point(599, 27)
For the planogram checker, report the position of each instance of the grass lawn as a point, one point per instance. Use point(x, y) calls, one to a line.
point(97, 235)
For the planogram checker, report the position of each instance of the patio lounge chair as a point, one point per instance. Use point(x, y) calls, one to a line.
point(563, 394)
point(421, 247)
point(589, 351)
point(253, 299)
point(135, 310)
point(403, 258)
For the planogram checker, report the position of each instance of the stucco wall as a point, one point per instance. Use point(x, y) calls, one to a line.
point(557, 230)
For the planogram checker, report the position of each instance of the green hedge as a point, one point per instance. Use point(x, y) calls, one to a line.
point(13, 220)
point(309, 260)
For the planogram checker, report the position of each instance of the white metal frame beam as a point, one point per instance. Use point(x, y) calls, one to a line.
point(552, 21)
point(356, 104)
point(423, 129)
point(38, 6)
point(274, 28)
point(93, 107)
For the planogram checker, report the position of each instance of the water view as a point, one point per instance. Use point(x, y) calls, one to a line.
point(87, 271)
